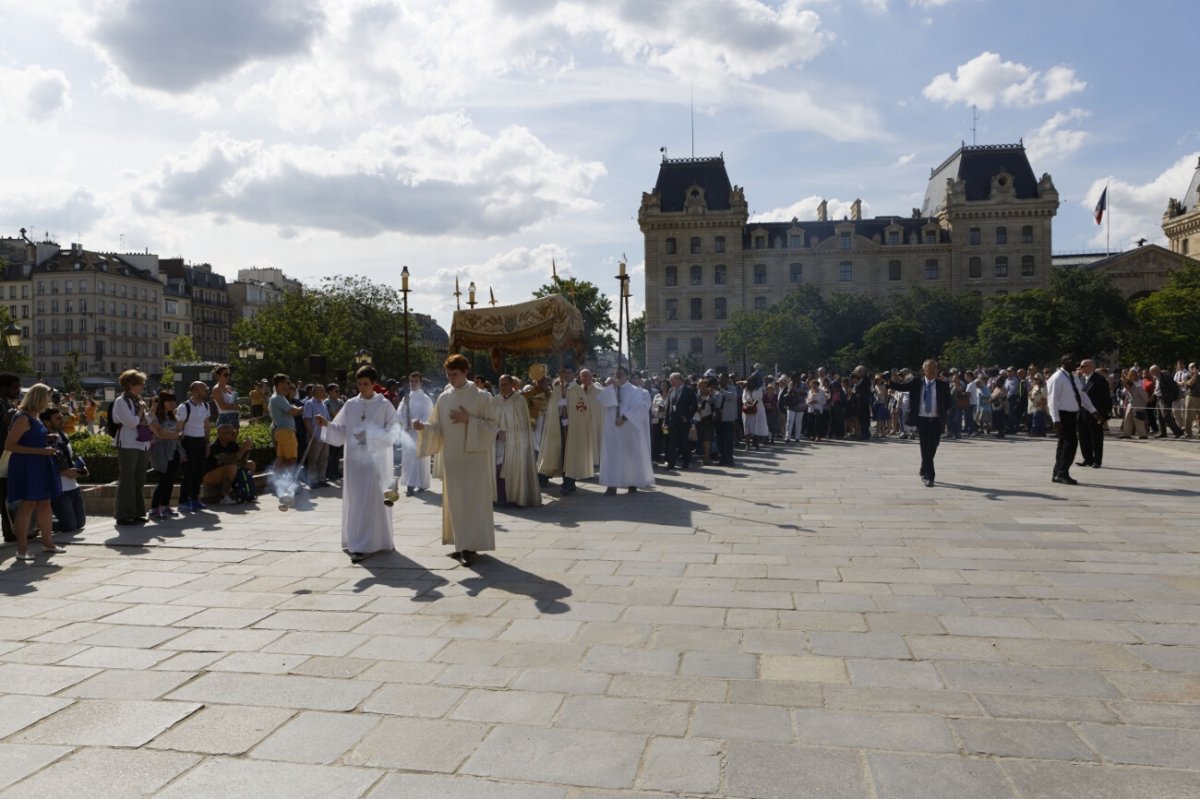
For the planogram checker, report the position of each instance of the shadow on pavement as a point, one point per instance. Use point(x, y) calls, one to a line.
point(397, 571)
point(547, 595)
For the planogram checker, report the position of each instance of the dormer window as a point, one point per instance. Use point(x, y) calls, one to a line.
point(845, 239)
point(893, 237)
point(760, 242)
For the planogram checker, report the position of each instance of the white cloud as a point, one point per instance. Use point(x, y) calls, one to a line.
point(39, 93)
point(986, 81)
point(438, 176)
point(1135, 210)
point(55, 208)
point(806, 210)
point(1055, 139)
point(905, 159)
point(513, 275)
point(929, 3)
point(178, 46)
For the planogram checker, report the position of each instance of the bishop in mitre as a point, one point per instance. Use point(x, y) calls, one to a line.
point(366, 429)
point(568, 442)
point(462, 428)
point(516, 469)
point(625, 456)
point(415, 407)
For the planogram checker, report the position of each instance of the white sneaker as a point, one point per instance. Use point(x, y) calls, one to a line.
point(227, 500)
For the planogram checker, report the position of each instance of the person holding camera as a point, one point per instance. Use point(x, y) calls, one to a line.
point(67, 506)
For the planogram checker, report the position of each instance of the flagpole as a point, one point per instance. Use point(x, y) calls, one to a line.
point(1108, 224)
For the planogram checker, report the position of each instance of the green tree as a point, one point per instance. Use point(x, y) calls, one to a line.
point(772, 336)
point(637, 341)
point(599, 329)
point(894, 342)
point(739, 337)
point(847, 318)
point(1165, 324)
point(12, 359)
point(1019, 329)
point(1090, 314)
point(943, 315)
point(964, 352)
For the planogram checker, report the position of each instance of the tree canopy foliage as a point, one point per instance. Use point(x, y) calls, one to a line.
point(596, 308)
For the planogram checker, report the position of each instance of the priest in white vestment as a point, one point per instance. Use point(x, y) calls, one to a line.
point(516, 470)
point(462, 428)
point(625, 454)
point(568, 442)
point(415, 407)
point(590, 392)
point(366, 428)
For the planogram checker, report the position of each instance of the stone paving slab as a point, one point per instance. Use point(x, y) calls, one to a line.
point(816, 623)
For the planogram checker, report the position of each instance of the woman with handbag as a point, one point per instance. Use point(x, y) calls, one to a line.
point(1134, 422)
point(32, 473)
point(166, 454)
point(754, 414)
point(133, 444)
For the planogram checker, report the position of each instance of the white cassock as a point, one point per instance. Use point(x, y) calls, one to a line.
point(625, 453)
point(366, 429)
point(514, 454)
point(414, 470)
point(468, 453)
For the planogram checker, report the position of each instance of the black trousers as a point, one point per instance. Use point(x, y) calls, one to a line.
point(166, 485)
point(678, 446)
point(1091, 439)
point(1068, 443)
point(1166, 419)
point(195, 449)
point(929, 431)
point(8, 529)
point(864, 420)
point(725, 442)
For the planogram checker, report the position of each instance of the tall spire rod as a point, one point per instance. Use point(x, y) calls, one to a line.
point(974, 123)
point(693, 118)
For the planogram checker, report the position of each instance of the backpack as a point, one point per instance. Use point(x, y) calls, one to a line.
point(243, 486)
point(110, 425)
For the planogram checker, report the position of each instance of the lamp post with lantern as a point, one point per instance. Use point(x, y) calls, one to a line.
point(404, 292)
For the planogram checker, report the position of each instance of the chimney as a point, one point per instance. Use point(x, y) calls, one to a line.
point(856, 210)
point(823, 211)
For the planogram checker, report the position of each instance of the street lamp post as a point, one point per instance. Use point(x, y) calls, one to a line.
point(404, 292)
point(12, 336)
point(362, 358)
point(471, 295)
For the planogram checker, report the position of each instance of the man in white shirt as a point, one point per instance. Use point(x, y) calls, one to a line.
point(1065, 400)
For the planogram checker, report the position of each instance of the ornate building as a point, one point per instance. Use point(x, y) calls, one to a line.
point(984, 227)
point(1181, 222)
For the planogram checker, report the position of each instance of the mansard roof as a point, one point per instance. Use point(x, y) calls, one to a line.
point(976, 165)
point(677, 175)
point(867, 228)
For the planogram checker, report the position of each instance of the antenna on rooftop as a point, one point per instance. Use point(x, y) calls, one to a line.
point(974, 123)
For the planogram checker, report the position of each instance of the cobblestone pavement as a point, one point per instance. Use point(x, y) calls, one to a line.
point(816, 624)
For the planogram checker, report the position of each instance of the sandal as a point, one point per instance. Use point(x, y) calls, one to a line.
point(56, 550)
point(24, 558)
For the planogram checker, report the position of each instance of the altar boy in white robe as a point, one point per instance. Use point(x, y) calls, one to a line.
point(415, 407)
point(462, 428)
point(366, 429)
point(516, 469)
point(625, 453)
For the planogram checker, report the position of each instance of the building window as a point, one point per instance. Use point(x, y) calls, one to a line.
point(760, 242)
point(893, 237)
point(796, 273)
point(760, 274)
point(975, 267)
point(671, 277)
point(672, 347)
point(760, 303)
point(931, 269)
point(795, 241)
point(844, 238)
point(697, 347)
point(1001, 266)
point(672, 310)
point(719, 308)
point(697, 276)
point(53, 306)
point(931, 237)
point(670, 246)
point(1027, 234)
point(895, 271)
point(973, 237)
point(1002, 235)
point(719, 278)
point(697, 309)
point(719, 244)
point(845, 271)
point(695, 244)
point(82, 286)
point(1027, 269)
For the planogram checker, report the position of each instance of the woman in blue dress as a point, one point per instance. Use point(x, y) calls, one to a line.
point(32, 476)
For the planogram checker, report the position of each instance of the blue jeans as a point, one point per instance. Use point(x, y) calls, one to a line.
point(1037, 424)
point(969, 417)
point(68, 511)
point(955, 422)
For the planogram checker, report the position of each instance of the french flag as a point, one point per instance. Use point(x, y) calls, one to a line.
point(1102, 205)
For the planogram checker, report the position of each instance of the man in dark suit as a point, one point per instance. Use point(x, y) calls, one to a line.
point(864, 398)
point(681, 406)
point(1091, 429)
point(928, 404)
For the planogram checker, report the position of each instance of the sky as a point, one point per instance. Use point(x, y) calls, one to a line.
point(485, 139)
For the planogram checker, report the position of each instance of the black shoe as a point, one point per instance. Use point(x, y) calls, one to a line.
point(455, 555)
point(928, 481)
point(633, 489)
point(408, 492)
point(357, 557)
point(468, 557)
point(1095, 466)
point(1084, 463)
point(611, 491)
point(1065, 479)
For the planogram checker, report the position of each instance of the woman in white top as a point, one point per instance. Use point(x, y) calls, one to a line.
point(225, 396)
point(754, 413)
point(816, 406)
point(133, 447)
